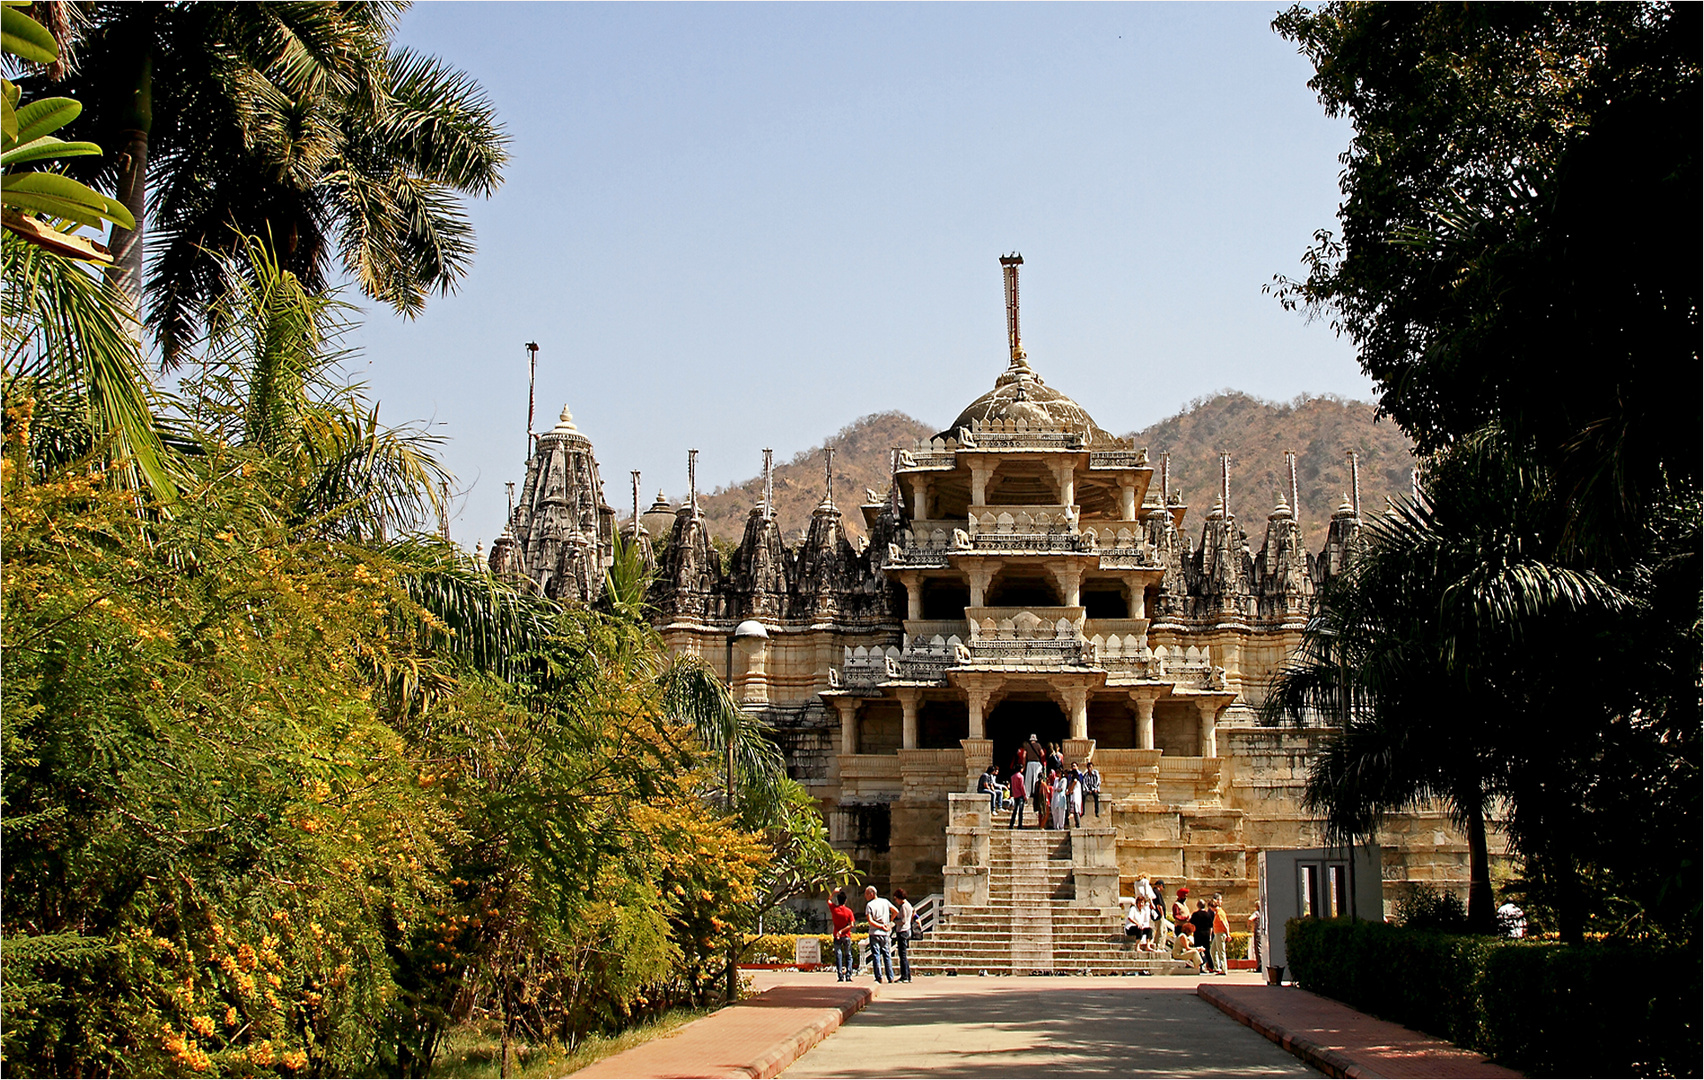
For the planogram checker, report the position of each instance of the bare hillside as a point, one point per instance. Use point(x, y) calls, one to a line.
point(1254, 432)
point(860, 461)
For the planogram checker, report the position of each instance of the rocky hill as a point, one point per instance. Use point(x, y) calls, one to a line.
point(1254, 432)
point(860, 461)
point(1321, 430)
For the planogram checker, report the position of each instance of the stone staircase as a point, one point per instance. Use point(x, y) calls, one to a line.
point(1031, 918)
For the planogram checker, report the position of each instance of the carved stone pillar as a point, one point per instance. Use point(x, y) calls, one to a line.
point(848, 708)
point(1138, 597)
point(1127, 500)
point(976, 701)
point(1209, 719)
point(1070, 579)
point(908, 724)
point(980, 578)
point(1144, 720)
point(1067, 475)
point(919, 496)
point(754, 688)
point(913, 583)
point(980, 471)
point(1077, 708)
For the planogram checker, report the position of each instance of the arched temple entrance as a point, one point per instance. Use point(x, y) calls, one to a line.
point(1018, 717)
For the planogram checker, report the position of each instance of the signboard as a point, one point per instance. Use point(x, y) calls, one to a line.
point(807, 952)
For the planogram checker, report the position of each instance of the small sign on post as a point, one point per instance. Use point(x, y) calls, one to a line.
point(807, 952)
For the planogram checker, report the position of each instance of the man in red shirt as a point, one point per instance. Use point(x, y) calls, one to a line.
point(843, 919)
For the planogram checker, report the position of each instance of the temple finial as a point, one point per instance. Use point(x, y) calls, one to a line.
point(1295, 493)
point(692, 481)
point(1355, 482)
point(768, 484)
point(635, 502)
point(1225, 483)
point(1014, 337)
point(828, 476)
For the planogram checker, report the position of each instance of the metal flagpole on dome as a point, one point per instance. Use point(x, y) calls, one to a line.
point(532, 381)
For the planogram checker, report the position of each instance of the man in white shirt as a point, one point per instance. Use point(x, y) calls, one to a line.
point(880, 915)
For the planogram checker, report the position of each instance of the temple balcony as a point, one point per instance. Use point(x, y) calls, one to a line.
point(1021, 520)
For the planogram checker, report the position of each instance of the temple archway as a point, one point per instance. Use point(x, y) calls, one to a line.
point(1015, 719)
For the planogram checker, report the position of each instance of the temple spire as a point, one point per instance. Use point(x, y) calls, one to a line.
point(768, 484)
point(1295, 494)
point(1009, 265)
point(692, 481)
point(1355, 482)
point(532, 381)
point(828, 476)
point(1225, 483)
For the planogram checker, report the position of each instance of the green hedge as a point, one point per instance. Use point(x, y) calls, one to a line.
point(1544, 1008)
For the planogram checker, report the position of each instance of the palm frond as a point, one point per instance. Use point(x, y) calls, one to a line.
point(66, 326)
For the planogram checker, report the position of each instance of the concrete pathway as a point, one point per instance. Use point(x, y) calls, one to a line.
point(758, 1037)
point(971, 1026)
point(1342, 1042)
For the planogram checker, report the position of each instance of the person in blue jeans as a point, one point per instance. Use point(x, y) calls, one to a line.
point(880, 915)
point(843, 919)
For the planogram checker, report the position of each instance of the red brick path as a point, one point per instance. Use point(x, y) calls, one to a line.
point(1339, 1041)
point(758, 1037)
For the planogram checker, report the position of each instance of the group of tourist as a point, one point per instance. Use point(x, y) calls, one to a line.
point(1197, 937)
point(893, 923)
point(1039, 777)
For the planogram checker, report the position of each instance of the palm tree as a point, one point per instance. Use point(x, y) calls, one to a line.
point(1420, 654)
point(271, 384)
point(293, 120)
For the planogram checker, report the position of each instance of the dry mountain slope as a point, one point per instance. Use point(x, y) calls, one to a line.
point(1254, 432)
point(860, 461)
point(1321, 430)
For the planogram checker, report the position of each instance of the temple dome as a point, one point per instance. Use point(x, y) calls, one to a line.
point(1020, 394)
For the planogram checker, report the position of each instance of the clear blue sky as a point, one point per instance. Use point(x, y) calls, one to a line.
point(731, 227)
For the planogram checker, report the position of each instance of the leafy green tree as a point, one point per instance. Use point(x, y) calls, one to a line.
point(297, 121)
point(1514, 265)
point(1421, 655)
point(1519, 233)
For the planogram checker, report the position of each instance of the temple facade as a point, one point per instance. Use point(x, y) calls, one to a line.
point(1025, 574)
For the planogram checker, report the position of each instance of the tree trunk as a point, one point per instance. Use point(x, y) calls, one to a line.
point(1481, 905)
point(127, 248)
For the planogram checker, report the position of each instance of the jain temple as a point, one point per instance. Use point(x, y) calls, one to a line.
point(1026, 573)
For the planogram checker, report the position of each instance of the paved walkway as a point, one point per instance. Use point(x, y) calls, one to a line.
point(1340, 1041)
point(756, 1038)
point(997, 1026)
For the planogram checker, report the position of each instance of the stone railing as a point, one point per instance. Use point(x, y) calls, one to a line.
point(863, 667)
point(1002, 434)
point(936, 453)
point(1021, 520)
point(1058, 652)
point(1118, 459)
point(1046, 623)
point(1191, 668)
point(914, 558)
point(1030, 541)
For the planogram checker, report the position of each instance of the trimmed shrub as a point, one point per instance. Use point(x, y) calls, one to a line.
point(1594, 1010)
point(1544, 1008)
point(1411, 977)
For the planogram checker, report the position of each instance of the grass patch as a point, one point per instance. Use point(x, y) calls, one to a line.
point(472, 1049)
